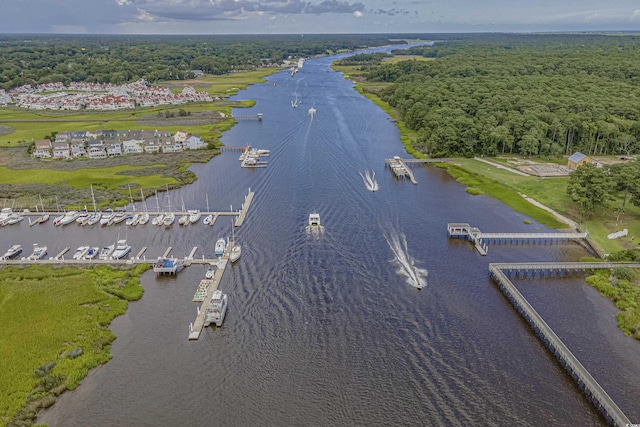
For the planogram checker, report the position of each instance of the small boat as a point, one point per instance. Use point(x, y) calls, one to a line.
point(133, 220)
point(169, 219)
point(57, 220)
point(118, 218)
point(83, 217)
point(13, 252)
point(208, 219)
point(217, 309)
point(314, 220)
point(107, 216)
point(184, 220)
point(143, 219)
point(210, 273)
point(122, 249)
point(14, 218)
point(107, 251)
point(235, 253)
point(158, 220)
point(94, 218)
point(69, 217)
point(81, 252)
point(39, 252)
point(4, 215)
point(92, 253)
point(194, 216)
point(220, 246)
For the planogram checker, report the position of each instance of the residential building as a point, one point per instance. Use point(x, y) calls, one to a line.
point(42, 149)
point(578, 159)
point(181, 136)
point(152, 146)
point(61, 150)
point(114, 147)
point(194, 142)
point(132, 146)
point(96, 149)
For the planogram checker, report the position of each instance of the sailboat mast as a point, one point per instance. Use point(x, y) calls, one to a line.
point(144, 201)
point(131, 197)
point(93, 197)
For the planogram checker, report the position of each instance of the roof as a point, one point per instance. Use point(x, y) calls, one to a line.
point(577, 157)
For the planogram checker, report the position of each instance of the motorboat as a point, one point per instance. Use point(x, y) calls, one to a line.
point(314, 220)
point(217, 309)
point(158, 220)
point(235, 253)
point(4, 214)
point(92, 253)
point(14, 218)
point(133, 220)
point(107, 216)
point(83, 217)
point(39, 252)
point(144, 218)
point(184, 220)
point(118, 218)
point(57, 220)
point(220, 246)
point(122, 250)
point(210, 273)
point(69, 217)
point(194, 216)
point(13, 252)
point(106, 252)
point(81, 252)
point(208, 220)
point(169, 219)
point(94, 218)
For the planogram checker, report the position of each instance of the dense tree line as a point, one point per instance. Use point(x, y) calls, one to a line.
point(119, 59)
point(533, 95)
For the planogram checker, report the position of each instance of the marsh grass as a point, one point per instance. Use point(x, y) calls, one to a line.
point(47, 314)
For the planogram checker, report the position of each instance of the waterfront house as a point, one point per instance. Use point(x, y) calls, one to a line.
point(132, 146)
point(42, 149)
point(180, 136)
point(77, 148)
point(169, 145)
point(63, 136)
point(194, 142)
point(113, 147)
point(96, 149)
point(152, 146)
point(61, 150)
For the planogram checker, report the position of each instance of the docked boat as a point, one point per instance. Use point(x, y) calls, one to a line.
point(81, 252)
point(94, 218)
point(13, 252)
point(235, 253)
point(92, 253)
point(106, 252)
point(194, 216)
point(217, 309)
point(220, 246)
point(169, 219)
point(14, 218)
point(118, 218)
point(39, 252)
point(107, 216)
point(4, 214)
point(57, 220)
point(314, 220)
point(159, 220)
point(208, 219)
point(122, 250)
point(69, 217)
point(133, 220)
point(210, 273)
point(184, 220)
point(83, 217)
point(143, 218)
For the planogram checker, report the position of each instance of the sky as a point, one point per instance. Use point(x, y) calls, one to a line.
point(315, 16)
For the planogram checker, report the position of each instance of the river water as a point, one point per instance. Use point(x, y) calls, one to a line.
point(330, 328)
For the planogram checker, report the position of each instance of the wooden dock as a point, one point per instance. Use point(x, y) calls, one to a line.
point(570, 363)
point(245, 208)
point(411, 161)
point(61, 253)
point(400, 169)
point(196, 327)
point(142, 251)
point(167, 252)
point(193, 252)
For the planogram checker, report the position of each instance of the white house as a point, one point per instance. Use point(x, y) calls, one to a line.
point(132, 146)
point(61, 150)
point(42, 149)
point(114, 148)
point(180, 136)
point(96, 150)
point(194, 142)
point(169, 145)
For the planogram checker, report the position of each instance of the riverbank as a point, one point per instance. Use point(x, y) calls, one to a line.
point(55, 328)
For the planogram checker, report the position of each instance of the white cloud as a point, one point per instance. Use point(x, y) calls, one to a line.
point(635, 15)
point(358, 14)
point(122, 2)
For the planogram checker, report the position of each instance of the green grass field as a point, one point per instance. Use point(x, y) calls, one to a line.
point(46, 313)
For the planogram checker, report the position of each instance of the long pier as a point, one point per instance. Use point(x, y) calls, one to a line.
point(245, 208)
point(410, 161)
point(481, 240)
point(400, 169)
point(196, 327)
point(585, 381)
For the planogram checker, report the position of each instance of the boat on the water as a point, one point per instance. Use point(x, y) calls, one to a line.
point(14, 218)
point(57, 220)
point(107, 216)
point(107, 251)
point(208, 219)
point(118, 218)
point(235, 253)
point(12, 252)
point(94, 218)
point(122, 250)
point(39, 252)
point(133, 220)
point(81, 252)
point(194, 216)
point(314, 220)
point(220, 246)
point(92, 253)
point(143, 218)
point(210, 273)
point(217, 309)
point(184, 220)
point(4, 214)
point(158, 220)
point(83, 217)
point(169, 219)
point(69, 217)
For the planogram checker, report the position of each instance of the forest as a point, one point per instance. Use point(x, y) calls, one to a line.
point(120, 59)
point(527, 94)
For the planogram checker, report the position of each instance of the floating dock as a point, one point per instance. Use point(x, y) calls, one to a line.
point(245, 208)
point(196, 327)
point(400, 169)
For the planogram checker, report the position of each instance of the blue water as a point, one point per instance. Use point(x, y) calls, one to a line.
point(329, 328)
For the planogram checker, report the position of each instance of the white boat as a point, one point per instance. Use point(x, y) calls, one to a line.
point(57, 220)
point(122, 250)
point(217, 309)
point(94, 218)
point(4, 215)
point(133, 220)
point(107, 216)
point(184, 220)
point(118, 218)
point(39, 252)
point(92, 253)
point(13, 252)
point(158, 220)
point(235, 253)
point(220, 245)
point(14, 218)
point(107, 251)
point(81, 252)
point(83, 217)
point(208, 219)
point(41, 219)
point(314, 220)
point(194, 216)
point(210, 273)
point(168, 219)
point(144, 218)
point(69, 217)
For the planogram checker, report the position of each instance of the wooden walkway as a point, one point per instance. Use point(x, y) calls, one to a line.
point(400, 169)
point(196, 327)
point(245, 208)
point(410, 161)
point(593, 391)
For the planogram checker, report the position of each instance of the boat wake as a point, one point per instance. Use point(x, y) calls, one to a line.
point(369, 179)
point(416, 277)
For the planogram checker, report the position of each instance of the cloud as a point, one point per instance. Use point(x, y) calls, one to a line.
point(358, 14)
point(635, 15)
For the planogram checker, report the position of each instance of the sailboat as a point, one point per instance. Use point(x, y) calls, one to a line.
point(236, 250)
point(158, 219)
point(96, 215)
point(133, 219)
point(184, 219)
point(43, 218)
point(56, 220)
point(209, 218)
point(169, 217)
point(144, 217)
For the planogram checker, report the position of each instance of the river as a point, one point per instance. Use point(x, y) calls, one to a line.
point(330, 328)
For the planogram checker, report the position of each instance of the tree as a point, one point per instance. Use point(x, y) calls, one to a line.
point(590, 187)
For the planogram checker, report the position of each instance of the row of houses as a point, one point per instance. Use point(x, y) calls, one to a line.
point(111, 143)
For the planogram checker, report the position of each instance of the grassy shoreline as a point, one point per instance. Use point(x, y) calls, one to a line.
point(48, 350)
